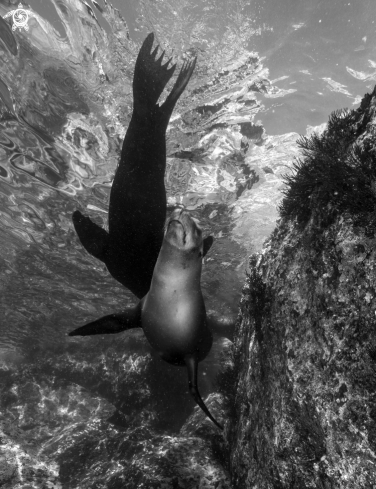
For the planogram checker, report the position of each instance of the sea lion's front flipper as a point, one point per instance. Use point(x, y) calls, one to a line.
point(191, 362)
point(208, 241)
point(111, 324)
point(150, 76)
point(93, 238)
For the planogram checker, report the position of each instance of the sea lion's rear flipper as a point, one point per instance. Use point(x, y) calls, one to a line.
point(93, 238)
point(150, 76)
point(180, 84)
point(114, 323)
point(208, 241)
point(192, 363)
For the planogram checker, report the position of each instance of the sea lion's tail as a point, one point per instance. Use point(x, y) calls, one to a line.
point(151, 77)
point(191, 363)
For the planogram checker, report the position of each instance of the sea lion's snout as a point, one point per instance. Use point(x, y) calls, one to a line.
point(175, 232)
point(183, 231)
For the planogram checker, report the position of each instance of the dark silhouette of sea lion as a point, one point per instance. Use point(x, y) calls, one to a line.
point(172, 314)
point(138, 197)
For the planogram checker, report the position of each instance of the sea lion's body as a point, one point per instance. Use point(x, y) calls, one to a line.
point(172, 314)
point(137, 209)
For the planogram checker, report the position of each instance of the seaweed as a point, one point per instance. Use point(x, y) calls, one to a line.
point(335, 175)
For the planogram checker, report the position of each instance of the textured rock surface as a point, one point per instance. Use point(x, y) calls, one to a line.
point(54, 433)
point(305, 406)
point(99, 456)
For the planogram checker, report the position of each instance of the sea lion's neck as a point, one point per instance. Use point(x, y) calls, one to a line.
point(177, 268)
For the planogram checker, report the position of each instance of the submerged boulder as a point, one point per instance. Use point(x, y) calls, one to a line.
point(305, 350)
point(54, 433)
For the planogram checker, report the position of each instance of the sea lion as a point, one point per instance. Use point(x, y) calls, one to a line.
point(138, 197)
point(172, 314)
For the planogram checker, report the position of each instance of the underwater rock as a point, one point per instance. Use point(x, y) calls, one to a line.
point(55, 433)
point(95, 456)
point(304, 354)
point(34, 411)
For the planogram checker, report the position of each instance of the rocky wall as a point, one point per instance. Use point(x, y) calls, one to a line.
point(305, 350)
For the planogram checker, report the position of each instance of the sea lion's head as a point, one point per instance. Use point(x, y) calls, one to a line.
point(182, 231)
